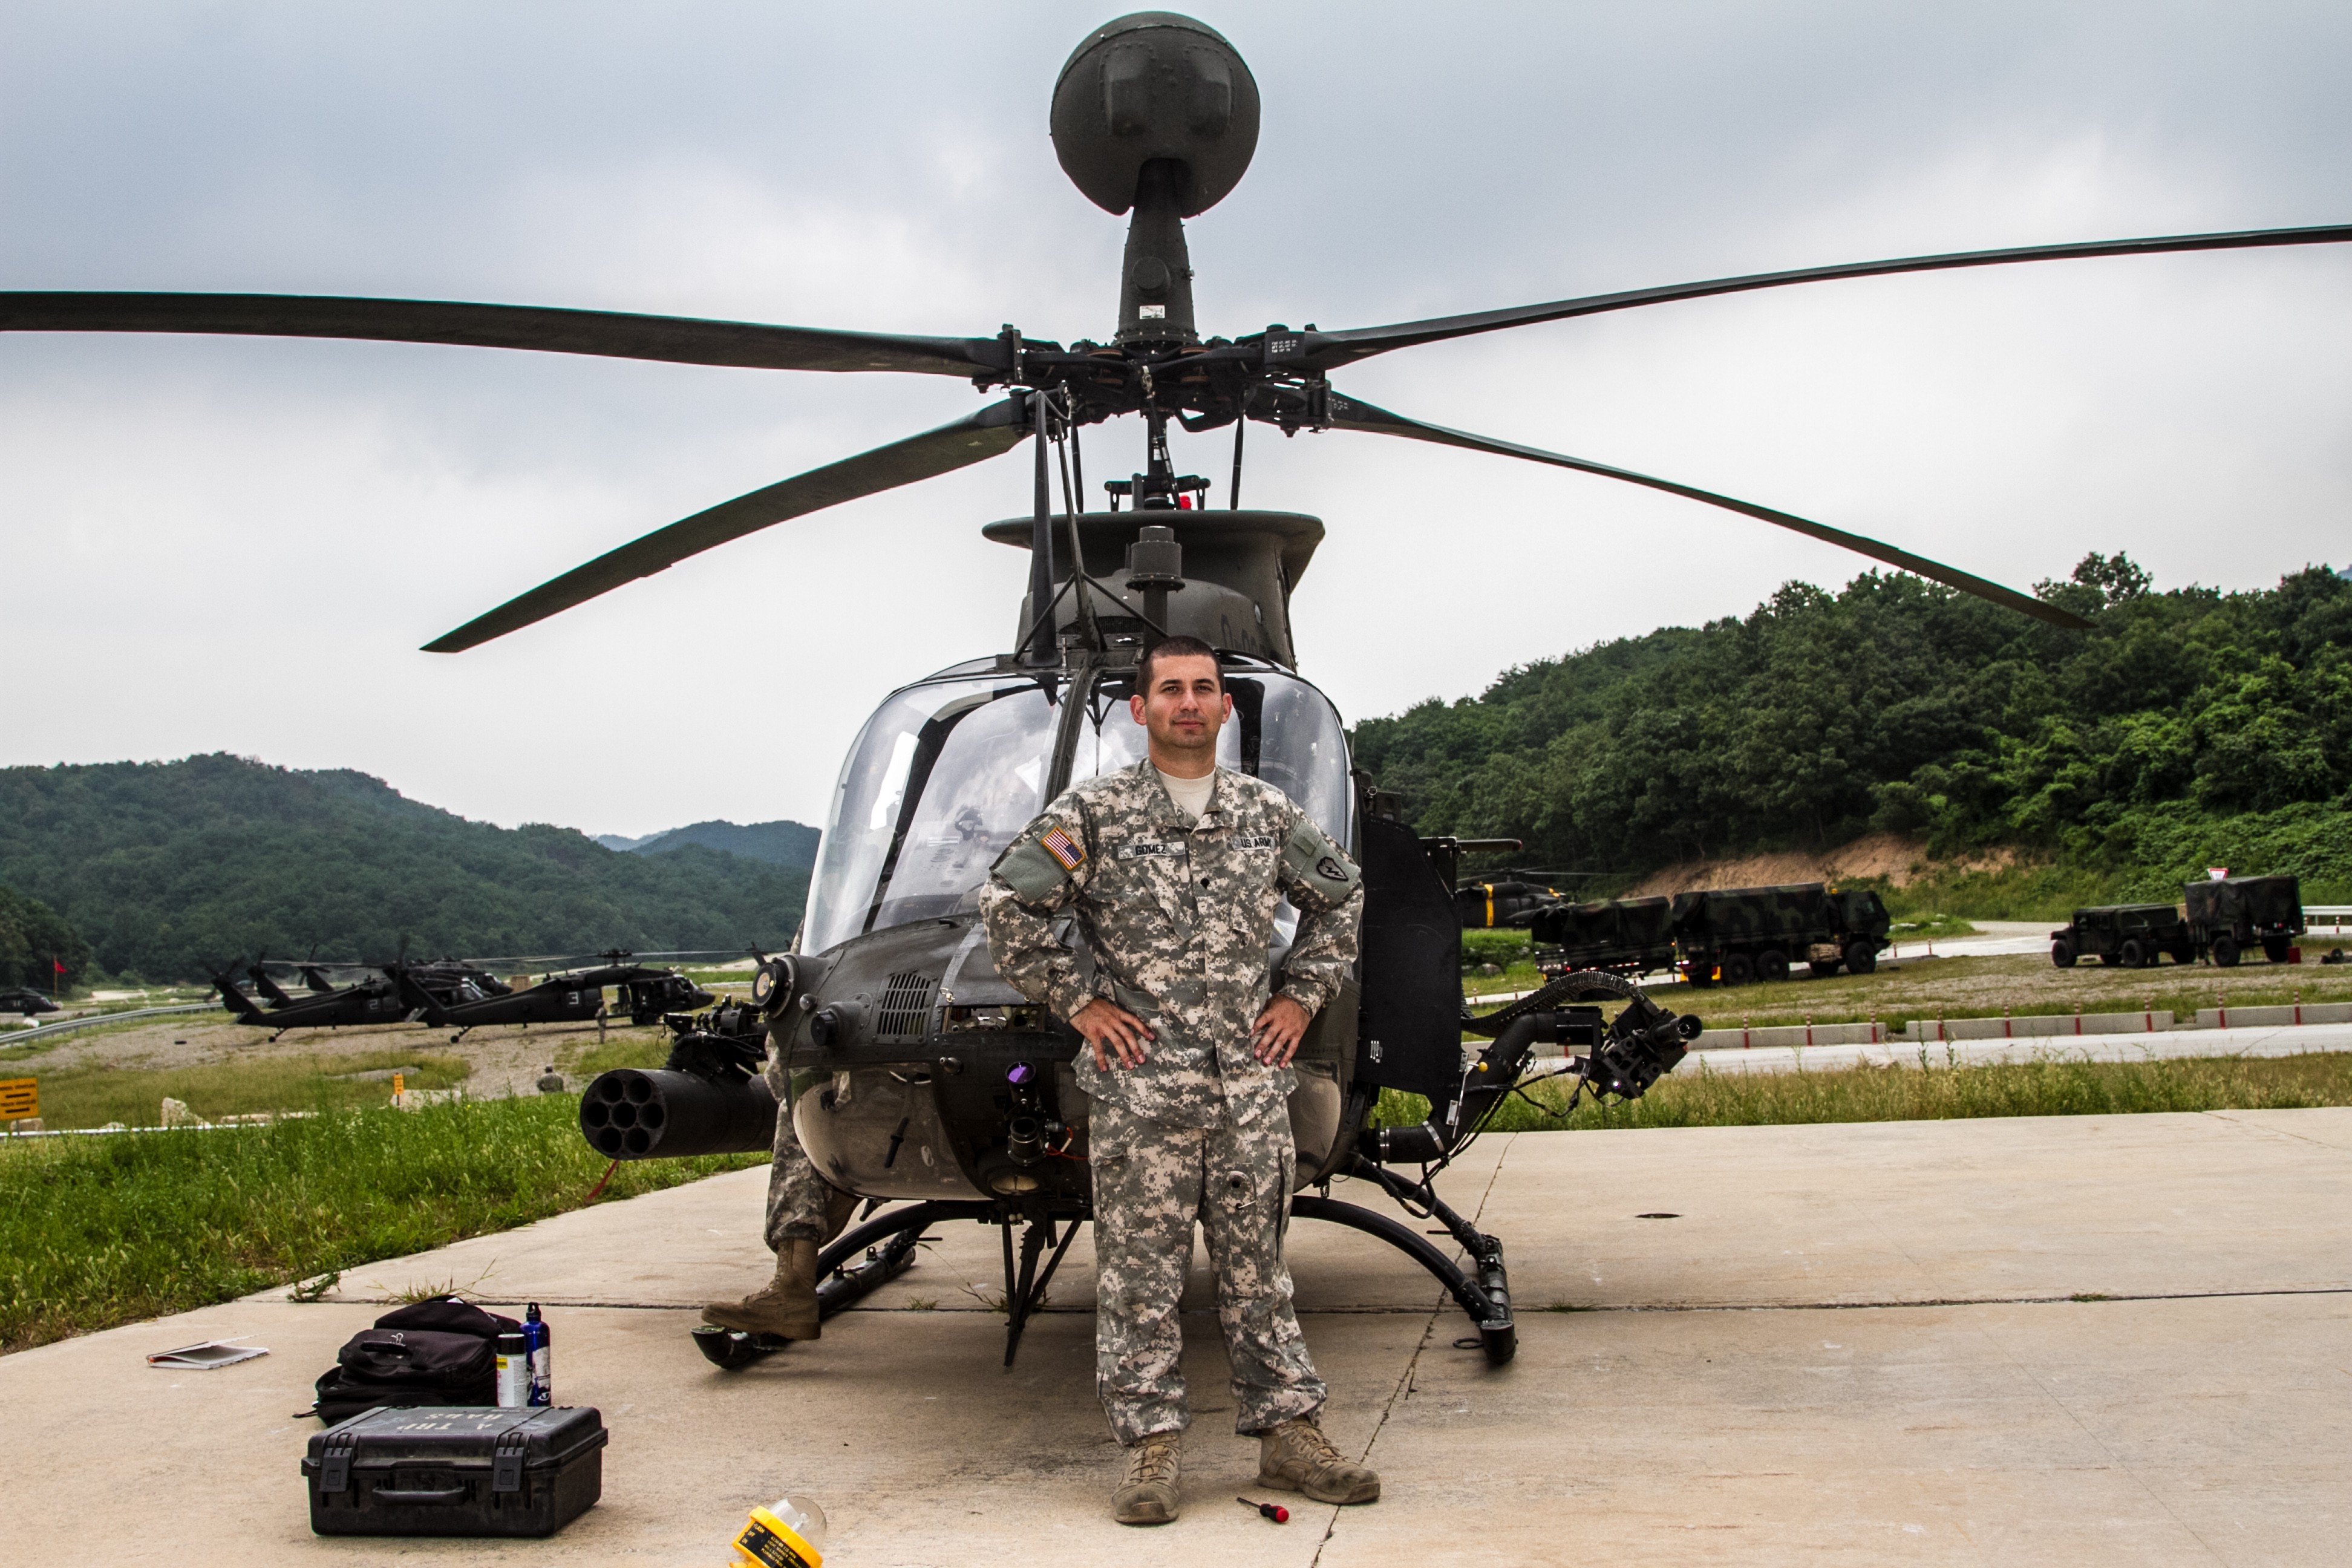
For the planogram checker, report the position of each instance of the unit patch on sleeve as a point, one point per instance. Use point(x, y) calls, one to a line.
point(1063, 848)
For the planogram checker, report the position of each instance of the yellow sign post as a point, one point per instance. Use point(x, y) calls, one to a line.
point(20, 1099)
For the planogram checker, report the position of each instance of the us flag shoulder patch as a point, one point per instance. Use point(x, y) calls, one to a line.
point(1063, 848)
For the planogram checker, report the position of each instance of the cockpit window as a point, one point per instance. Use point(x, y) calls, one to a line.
point(942, 779)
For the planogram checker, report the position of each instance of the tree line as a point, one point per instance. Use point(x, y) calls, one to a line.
point(2188, 727)
point(166, 869)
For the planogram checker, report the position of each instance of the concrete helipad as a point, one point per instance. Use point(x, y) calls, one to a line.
point(2071, 1340)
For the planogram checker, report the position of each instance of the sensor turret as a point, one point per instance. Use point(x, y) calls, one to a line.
point(1155, 112)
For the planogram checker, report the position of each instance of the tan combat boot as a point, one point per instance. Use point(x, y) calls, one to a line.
point(786, 1308)
point(1148, 1495)
point(1296, 1458)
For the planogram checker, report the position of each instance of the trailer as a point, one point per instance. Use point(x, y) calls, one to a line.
point(2229, 914)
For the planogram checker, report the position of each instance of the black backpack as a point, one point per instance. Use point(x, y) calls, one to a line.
point(441, 1352)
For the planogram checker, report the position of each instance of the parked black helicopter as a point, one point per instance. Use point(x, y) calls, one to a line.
point(449, 993)
point(646, 995)
point(25, 1001)
point(915, 1072)
point(375, 1000)
point(448, 979)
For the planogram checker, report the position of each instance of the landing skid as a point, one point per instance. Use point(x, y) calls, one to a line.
point(1486, 1299)
point(889, 1243)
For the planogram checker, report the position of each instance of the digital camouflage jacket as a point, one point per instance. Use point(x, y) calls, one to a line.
point(1178, 921)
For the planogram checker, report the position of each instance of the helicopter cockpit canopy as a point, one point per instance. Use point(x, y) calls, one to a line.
point(950, 770)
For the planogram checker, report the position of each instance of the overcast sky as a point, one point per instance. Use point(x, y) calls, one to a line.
point(238, 545)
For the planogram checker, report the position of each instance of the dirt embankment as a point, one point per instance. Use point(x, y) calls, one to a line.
point(1892, 856)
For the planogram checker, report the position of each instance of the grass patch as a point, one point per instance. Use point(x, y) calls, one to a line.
point(2048, 1085)
point(93, 1097)
point(1926, 927)
point(2026, 891)
point(638, 1050)
point(1510, 952)
point(95, 1232)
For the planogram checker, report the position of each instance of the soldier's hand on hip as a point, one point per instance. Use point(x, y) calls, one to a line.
point(1107, 1024)
point(1277, 1034)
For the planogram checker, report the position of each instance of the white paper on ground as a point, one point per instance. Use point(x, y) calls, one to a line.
point(205, 1356)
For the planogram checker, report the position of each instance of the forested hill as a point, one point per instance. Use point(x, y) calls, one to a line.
point(2188, 727)
point(782, 843)
point(165, 868)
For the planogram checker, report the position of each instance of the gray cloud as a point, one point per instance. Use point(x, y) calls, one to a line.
point(239, 546)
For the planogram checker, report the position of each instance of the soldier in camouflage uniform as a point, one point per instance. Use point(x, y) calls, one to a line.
point(1174, 869)
point(804, 1212)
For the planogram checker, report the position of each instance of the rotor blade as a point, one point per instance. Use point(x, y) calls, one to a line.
point(680, 340)
point(995, 429)
point(1347, 414)
point(1324, 352)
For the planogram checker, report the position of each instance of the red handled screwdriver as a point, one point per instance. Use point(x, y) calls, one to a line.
point(1275, 1511)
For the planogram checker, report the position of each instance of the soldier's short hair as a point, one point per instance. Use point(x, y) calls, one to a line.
point(1174, 648)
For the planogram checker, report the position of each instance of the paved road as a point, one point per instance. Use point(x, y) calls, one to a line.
point(2079, 1340)
point(2162, 1045)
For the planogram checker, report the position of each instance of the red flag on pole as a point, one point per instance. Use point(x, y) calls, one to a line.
point(59, 965)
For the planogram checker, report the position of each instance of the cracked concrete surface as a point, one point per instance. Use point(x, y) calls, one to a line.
point(2066, 1339)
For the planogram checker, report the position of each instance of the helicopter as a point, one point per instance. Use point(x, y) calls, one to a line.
point(913, 1073)
point(375, 1000)
point(647, 995)
point(446, 978)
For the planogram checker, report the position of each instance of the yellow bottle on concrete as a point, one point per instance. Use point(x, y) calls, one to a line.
point(787, 1533)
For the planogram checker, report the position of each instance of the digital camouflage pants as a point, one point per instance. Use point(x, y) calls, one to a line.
point(1151, 1184)
point(797, 1196)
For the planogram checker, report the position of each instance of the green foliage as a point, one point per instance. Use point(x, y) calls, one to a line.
point(101, 1231)
point(2055, 1085)
point(34, 938)
point(2185, 728)
point(1505, 946)
point(168, 868)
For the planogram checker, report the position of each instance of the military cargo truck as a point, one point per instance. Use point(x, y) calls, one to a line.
point(2234, 913)
point(1738, 934)
point(2129, 935)
point(1625, 936)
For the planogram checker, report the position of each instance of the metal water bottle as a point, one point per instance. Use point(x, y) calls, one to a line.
point(542, 1361)
point(514, 1369)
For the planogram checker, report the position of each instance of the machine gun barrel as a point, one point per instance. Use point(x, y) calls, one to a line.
point(1640, 1045)
point(635, 1113)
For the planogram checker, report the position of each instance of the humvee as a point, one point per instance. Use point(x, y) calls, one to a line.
point(2128, 935)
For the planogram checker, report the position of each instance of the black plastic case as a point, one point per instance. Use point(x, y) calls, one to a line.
point(455, 1470)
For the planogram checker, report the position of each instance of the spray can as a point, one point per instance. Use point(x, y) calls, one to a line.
point(787, 1533)
point(514, 1370)
point(537, 1334)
